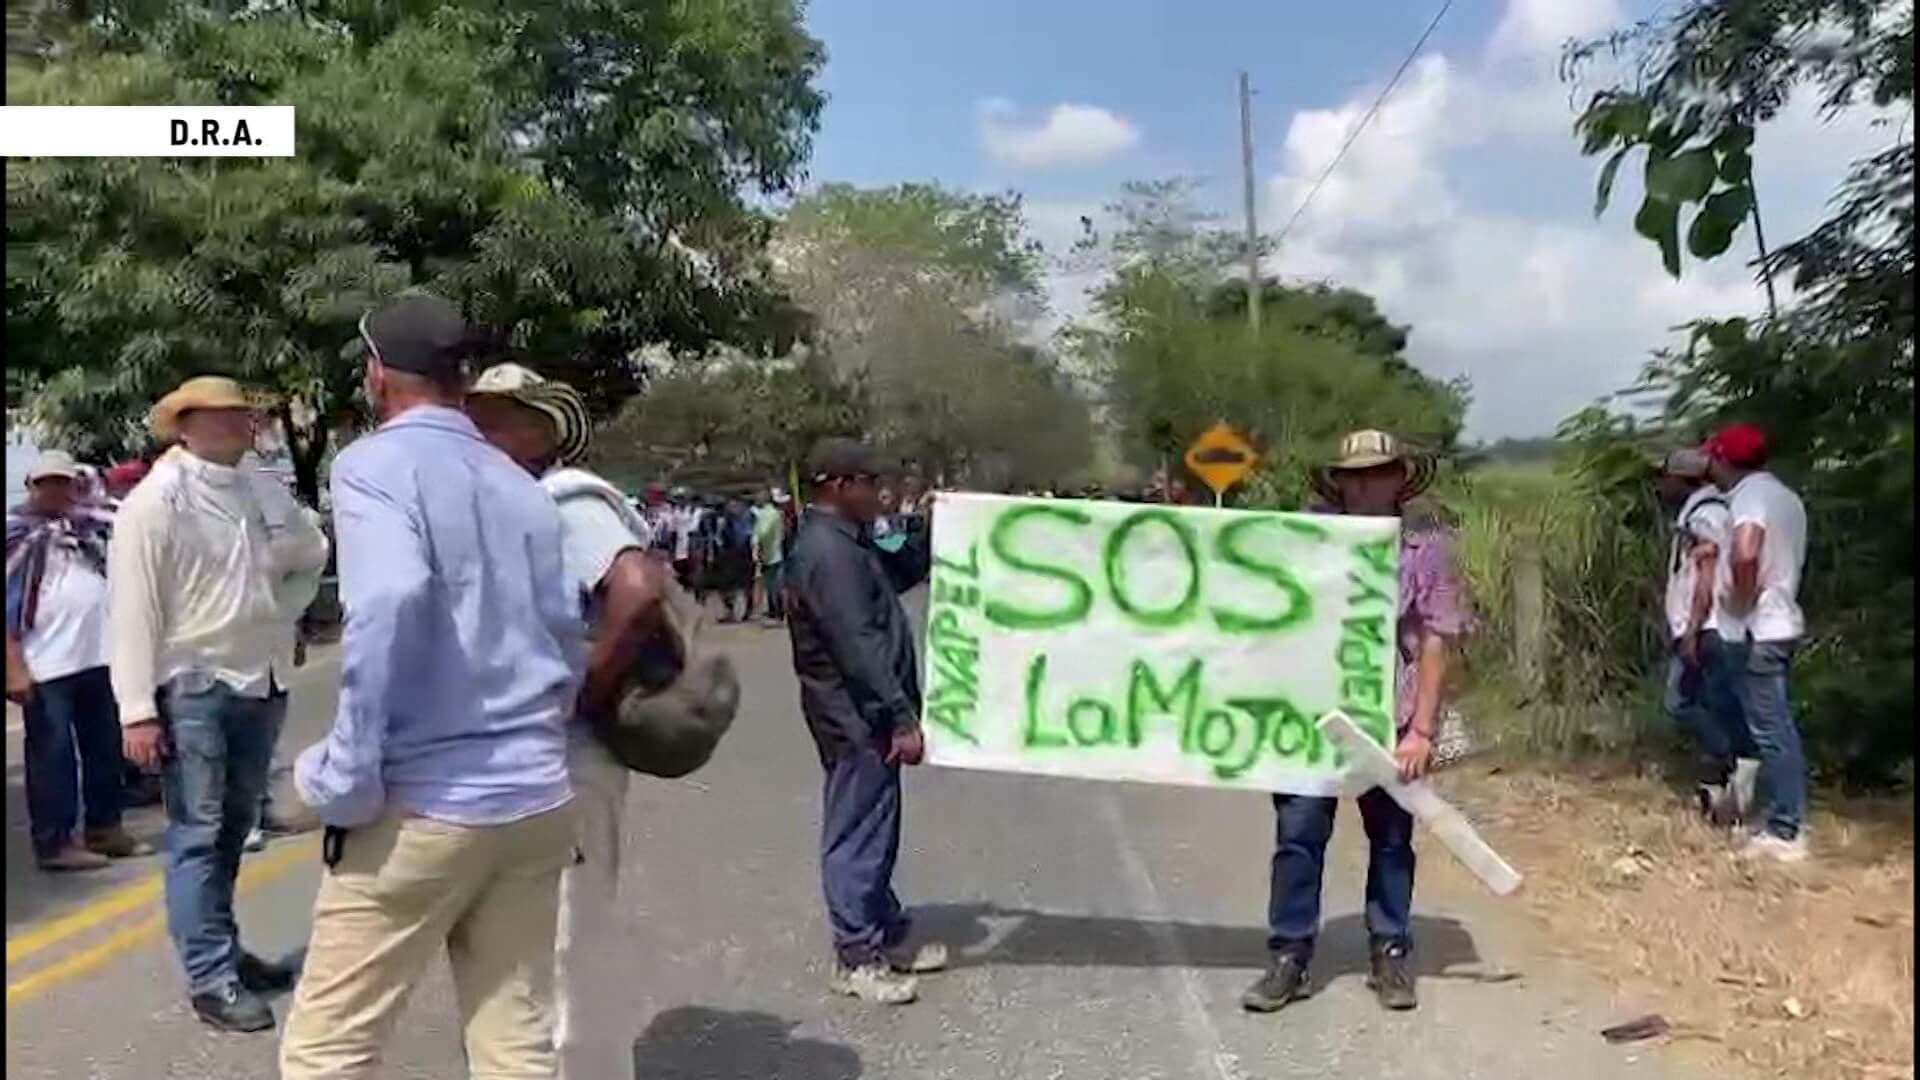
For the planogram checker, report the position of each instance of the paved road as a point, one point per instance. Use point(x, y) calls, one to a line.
point(1104, 930)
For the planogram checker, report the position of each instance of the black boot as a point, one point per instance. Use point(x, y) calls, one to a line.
point(1392, 976)
point(264, 976)
point(233, 1008)
point(1285, 982)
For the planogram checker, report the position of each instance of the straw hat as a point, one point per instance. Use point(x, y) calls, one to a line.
point(200, 392)
point(1369, 449)
point(561, 404)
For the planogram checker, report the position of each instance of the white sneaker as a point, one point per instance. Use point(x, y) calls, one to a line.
point(256, 840)
point(1765, 845)
point(919, 960)
point(1715, 803)
point(874, 983)
point(1741, 786)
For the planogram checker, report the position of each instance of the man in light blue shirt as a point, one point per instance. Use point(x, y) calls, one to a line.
point(444, 779)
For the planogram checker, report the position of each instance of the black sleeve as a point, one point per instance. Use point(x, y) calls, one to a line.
point(835, 588)
point(910, 565)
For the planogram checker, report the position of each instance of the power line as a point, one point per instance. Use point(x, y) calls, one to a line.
point(1364, 120)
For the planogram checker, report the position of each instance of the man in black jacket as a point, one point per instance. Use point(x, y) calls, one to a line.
point(860, 691)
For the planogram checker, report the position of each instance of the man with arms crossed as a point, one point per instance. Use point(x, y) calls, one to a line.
point(208, 569)
point(443, 781)
point(543, 426)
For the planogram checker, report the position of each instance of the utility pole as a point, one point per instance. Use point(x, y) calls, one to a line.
point(1253, 233)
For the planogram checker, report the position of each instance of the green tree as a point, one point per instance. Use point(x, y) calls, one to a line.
point(1172, 350)
point(736, 411)
point(1830, 375)
point(927, 297)
point(581, 177)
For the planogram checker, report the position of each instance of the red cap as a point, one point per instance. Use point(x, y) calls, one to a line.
point(127, 473)
point(1742, 446)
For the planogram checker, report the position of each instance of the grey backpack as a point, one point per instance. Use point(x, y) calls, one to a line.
point(681, 695)
point(679, 700)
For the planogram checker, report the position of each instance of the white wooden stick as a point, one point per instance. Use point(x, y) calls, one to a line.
point(1370, 766)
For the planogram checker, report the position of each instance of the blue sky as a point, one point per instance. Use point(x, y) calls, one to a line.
point(1465, 207)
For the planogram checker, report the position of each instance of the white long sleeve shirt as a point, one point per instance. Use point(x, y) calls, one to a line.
point(208, 573)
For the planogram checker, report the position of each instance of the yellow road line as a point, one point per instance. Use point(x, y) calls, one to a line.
point(254, 872)
point(83, 961)
point(106, 909)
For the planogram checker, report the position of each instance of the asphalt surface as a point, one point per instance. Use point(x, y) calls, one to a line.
point(1102, 930)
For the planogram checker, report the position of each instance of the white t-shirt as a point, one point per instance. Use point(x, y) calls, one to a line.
point(1704, 518)
point(592, 536)
point(69, 632)
point(686, 522)
point(1761, 499)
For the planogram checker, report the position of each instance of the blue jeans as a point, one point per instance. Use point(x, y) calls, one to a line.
point(859, 844)
point(1762, 668)
point(220, 749)
point(1304, 826)
point(73, 756)
point(1704, 700)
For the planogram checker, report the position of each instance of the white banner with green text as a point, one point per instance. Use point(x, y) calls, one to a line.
point(1172, 645)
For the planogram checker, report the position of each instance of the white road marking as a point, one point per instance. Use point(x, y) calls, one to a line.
point(1186, 985)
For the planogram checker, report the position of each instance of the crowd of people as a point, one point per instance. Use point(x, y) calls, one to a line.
point(499, 598)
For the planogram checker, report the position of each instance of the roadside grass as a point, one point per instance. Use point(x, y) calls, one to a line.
point(1794, 972)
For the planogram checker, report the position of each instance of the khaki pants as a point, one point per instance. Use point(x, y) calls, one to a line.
point(402, 888)
point(596, 1024)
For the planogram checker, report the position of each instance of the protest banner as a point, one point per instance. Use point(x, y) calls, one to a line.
point(1165, 644)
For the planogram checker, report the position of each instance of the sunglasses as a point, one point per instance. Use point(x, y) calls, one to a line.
point(366, 338)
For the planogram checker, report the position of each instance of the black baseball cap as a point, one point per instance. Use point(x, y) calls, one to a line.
point(846, 459)
point(421, 333)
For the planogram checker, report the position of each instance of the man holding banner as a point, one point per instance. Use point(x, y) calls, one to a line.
point(1373, 477)
point(860, 691)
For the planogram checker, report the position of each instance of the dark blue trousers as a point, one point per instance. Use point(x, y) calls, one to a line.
point(1704, 699)
point(1303, 828)
point(72, 757)
point(859, 844)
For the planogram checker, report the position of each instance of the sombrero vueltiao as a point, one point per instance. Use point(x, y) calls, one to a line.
point(561, 404)
point(1371, 449)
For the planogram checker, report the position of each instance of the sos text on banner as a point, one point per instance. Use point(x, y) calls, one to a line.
point(1165, 644)
point(163, 131)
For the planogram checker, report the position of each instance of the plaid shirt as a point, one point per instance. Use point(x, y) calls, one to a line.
point(1432, 598)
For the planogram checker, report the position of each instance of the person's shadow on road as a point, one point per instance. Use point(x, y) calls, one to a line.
point(986, 934)
point(695, 1043)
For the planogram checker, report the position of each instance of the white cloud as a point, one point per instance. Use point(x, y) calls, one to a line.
point(1068, 135)
point(1533, 27)
point(1543, 315)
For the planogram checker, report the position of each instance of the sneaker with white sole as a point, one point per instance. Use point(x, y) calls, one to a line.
point(256, 840)
point(875, 983)
point(918, 959)
point(1714, 802)
point(1765, 845)
point(1741, 787)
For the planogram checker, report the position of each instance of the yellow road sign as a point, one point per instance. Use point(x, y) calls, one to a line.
point(1221, 458)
